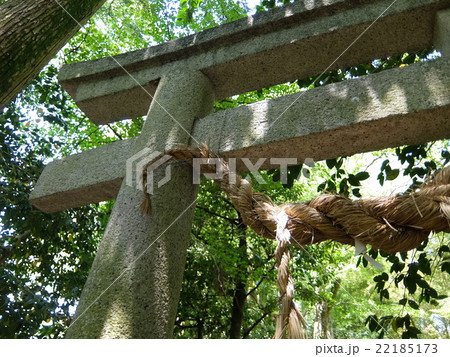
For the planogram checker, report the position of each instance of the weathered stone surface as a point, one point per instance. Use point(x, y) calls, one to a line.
point(135, 280)
point(88, 177)
point(397, 107)
point(442, 32)
point(300, 40)
point(402, 106)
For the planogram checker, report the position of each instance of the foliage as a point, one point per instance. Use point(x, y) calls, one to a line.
point(223, 255)
point(44, 257)
point(271, 4)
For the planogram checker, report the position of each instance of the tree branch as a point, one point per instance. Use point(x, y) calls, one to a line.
point(257, 285)
point(256, 323)
point(231, 220)
point(115, 132)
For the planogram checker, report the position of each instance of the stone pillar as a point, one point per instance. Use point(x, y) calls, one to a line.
point(442, 32)
point(134, 284)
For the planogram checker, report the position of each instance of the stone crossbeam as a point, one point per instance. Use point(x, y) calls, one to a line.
point(409, 105)
point(88, 177)
point(296, 41)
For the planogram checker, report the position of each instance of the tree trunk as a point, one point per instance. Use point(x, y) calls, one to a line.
point(237, 314)
point(240, 294)
point(31, 33)
point(323, 327)
point(200, 326)
point(322, 323)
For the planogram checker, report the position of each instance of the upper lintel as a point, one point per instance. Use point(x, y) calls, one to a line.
point(296, 41)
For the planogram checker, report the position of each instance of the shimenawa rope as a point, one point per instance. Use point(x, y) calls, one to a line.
point(393, 224)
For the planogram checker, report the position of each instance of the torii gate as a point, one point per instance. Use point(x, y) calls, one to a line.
point(134, 284)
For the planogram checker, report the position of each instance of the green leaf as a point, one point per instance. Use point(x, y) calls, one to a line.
point(434, 303)
point(432, 293)
point(409, 59)
point(443, 249)
point(422, 283)
point(398, 279)
point(397, 267)
point(413, 332)
point(410, 283)
point(356, 192)
point(292, 174)
point(446, 267)
point(361, 176)
point(384, 165)
point(392, 174)
point(372, 323)
point(331, 163)
point(413, 304)
point(406, 335)
point(353, 180)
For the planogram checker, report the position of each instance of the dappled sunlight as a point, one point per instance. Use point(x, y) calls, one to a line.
point(259, 124)
point(435, 86)
point(341, 93)
point(370, 112)
point(117, 319)
point(396, 98)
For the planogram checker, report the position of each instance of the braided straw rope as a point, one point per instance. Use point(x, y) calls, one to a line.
point(290, 321)
point(393, 224)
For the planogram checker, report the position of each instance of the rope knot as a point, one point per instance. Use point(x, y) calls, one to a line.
point(282, 233)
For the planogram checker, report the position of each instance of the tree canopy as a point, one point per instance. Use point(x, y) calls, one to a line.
point(229, 288)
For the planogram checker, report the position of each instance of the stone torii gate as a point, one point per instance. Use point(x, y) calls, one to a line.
point(134, 283)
